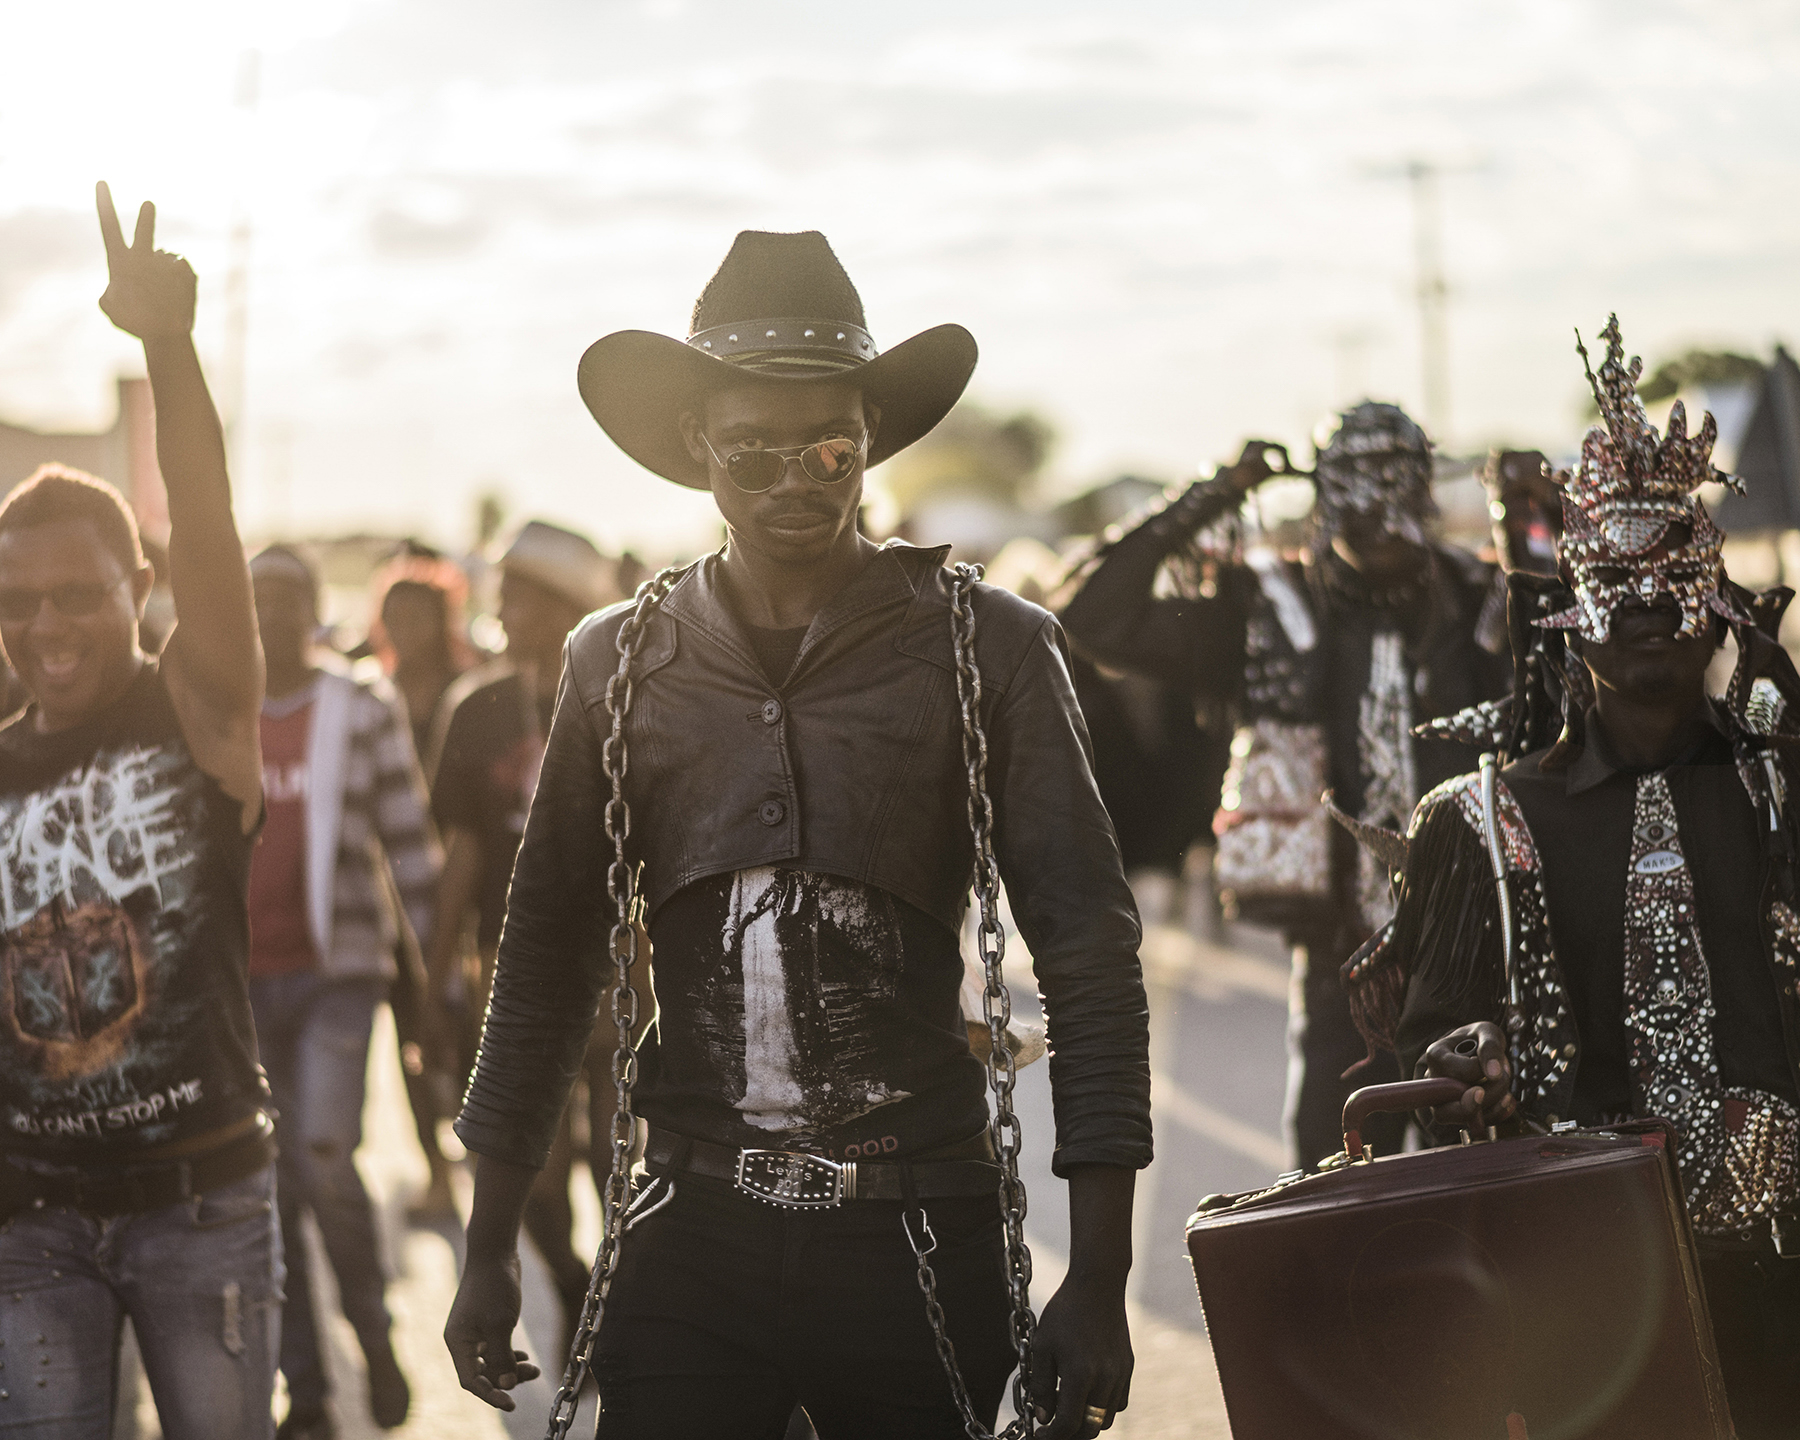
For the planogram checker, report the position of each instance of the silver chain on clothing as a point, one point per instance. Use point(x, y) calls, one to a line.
point(621, 888)
point(996, 1005)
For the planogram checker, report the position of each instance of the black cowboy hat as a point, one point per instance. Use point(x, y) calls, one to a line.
point(780, 311)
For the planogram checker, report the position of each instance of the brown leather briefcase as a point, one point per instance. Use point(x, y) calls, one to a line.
point(1538, 1288)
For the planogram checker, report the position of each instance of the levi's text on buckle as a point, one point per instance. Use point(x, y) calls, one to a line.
point(795, 1179)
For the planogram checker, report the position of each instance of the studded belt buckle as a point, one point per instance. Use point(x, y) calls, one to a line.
point(794, 1179)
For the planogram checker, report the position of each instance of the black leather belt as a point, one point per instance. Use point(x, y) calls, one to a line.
point(797, 1180)
point(127, 1190)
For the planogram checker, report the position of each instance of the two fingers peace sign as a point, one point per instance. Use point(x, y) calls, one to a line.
point(149, 292)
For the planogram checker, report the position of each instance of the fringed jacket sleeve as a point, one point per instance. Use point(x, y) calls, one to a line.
point(1445, 939)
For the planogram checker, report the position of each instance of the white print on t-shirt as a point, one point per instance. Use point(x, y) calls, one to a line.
point(84, 863)
point(285, 782)
point(92, 1124)
point(772, 1098)
point(102, 832)
point(777, 1093)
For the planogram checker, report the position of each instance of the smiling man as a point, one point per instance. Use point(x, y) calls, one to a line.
point(135, 1153)
point(799, 806)
point(1650, 848)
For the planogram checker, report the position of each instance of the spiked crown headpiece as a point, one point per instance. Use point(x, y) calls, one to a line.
point(1633, 528)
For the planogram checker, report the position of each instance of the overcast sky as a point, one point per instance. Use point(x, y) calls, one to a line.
point(1170, 225)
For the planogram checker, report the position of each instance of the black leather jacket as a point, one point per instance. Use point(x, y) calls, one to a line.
point(853, 767)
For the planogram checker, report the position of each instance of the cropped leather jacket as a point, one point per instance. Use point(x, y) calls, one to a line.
point(853, 767)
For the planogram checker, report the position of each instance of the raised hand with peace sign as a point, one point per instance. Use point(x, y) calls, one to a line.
point(149, 292)
point(212, 663)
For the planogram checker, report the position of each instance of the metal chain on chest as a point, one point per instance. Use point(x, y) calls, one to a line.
point(621, 889)
point(996, 1005)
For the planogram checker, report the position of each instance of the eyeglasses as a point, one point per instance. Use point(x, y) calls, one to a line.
point(754, 471)
point(73, 600)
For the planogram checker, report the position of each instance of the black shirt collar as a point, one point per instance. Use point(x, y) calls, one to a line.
point(1599, 762)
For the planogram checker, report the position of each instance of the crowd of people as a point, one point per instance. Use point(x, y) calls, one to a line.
point(394, 798)
point(776, 771)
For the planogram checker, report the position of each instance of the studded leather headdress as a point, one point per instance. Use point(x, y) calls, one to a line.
point(1378, 465)
point(1633, 528)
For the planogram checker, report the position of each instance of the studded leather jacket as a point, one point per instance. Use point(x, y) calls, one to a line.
point(1729, 1093)
point(851, 767)
point(1309, 645)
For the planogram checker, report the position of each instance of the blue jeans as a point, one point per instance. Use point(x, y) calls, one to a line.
point(313, 1035)
point(201, 1282)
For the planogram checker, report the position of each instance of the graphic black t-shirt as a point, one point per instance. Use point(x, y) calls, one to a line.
point(124, 1012)
point(493, 749)
point(800, 1009)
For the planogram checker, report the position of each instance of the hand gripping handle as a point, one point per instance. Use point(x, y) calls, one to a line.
point(1397, 1099)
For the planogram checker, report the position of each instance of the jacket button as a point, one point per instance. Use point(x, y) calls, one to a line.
point(771, 812)
point(771, 711)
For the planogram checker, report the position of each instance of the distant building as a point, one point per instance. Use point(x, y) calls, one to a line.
point(124, 455)
point(1093, 510)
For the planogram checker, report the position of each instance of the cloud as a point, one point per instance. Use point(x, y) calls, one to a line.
point(1159, 216)
point(39, 243)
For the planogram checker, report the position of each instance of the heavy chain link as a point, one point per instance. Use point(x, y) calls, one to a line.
point(996, 1006)
point(621, 888)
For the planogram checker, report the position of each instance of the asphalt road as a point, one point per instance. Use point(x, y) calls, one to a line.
point(1218, 1011)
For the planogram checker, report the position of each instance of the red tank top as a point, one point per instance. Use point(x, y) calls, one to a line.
point(280, 939)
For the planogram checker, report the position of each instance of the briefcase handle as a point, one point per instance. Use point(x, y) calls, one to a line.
point(1399, 1098)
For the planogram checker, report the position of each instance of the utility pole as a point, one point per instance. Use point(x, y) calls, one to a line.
point(237, 277)
point(1350, 363)
point(1433, 294)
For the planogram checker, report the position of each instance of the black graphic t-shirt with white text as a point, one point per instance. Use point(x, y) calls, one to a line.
point(806, 1010)
point(124, 1011)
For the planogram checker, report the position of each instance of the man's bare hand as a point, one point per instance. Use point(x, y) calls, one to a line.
point(1080, 1360)
point(1476, 1056)
point(149, 292)
point(479, 1330)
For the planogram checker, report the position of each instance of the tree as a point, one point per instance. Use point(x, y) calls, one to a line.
point(972, 453)
point(1695, 369)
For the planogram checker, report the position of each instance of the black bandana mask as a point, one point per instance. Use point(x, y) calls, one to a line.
point(1633, 530)
point(1376, 467)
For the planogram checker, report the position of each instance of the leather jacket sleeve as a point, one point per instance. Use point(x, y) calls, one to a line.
point(553, 966)
point(1115, 618)
point(1063, 875)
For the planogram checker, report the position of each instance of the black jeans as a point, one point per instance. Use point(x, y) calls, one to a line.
point(726, 1312)
point(1754, 1298)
